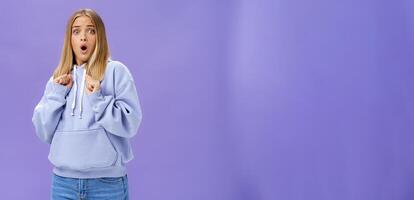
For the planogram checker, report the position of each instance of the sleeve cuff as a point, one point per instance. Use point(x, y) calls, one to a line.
point(59, 89)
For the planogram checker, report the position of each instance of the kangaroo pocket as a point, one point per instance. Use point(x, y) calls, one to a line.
point(82, 150)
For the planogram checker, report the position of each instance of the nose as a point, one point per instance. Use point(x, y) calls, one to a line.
point(83, 37)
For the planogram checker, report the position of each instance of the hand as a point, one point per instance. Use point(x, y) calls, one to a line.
point(92, 85)
point(65, 80)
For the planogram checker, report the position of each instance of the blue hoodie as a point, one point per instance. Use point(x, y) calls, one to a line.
point(89, 133)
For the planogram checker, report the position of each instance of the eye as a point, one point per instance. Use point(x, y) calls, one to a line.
point(91, 31)
point(75, 31)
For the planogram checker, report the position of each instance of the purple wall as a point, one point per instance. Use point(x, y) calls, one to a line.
point(242, 100)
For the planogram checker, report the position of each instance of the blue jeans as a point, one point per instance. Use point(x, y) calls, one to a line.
point(89, 189)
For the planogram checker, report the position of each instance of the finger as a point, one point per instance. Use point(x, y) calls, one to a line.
point(61, 76)
point(57, 79)
point(65, 80)
point(68, 78)
point(70, 84)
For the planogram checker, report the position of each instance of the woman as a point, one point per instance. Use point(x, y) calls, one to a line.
point(89, 111)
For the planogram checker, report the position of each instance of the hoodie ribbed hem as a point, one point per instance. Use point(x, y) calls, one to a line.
point(116, 171)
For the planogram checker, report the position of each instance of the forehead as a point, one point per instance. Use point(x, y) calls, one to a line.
point(82, 21)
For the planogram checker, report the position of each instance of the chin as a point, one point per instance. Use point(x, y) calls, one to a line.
point(84, 59)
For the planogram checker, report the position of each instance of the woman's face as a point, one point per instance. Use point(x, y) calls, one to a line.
point(83, 39)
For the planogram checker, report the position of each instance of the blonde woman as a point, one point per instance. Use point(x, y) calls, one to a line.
point(89, 111)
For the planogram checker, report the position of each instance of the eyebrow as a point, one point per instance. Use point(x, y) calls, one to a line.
point(86, 26)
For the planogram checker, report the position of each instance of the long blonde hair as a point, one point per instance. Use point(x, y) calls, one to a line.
point(96, 64)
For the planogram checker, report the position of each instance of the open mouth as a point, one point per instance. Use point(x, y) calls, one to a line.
point(84, 48)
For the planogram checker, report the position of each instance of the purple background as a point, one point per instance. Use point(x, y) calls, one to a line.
point(242, 100)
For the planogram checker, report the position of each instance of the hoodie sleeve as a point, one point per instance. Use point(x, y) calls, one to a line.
point(120, 114)
point(48, 111)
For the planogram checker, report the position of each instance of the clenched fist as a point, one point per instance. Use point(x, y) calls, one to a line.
point(92, 85)
point(65, 80)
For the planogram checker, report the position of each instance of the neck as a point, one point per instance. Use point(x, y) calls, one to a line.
point(79, 62)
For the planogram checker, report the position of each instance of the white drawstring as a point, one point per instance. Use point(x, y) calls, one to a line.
point(82, 90)
point(76, 91)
